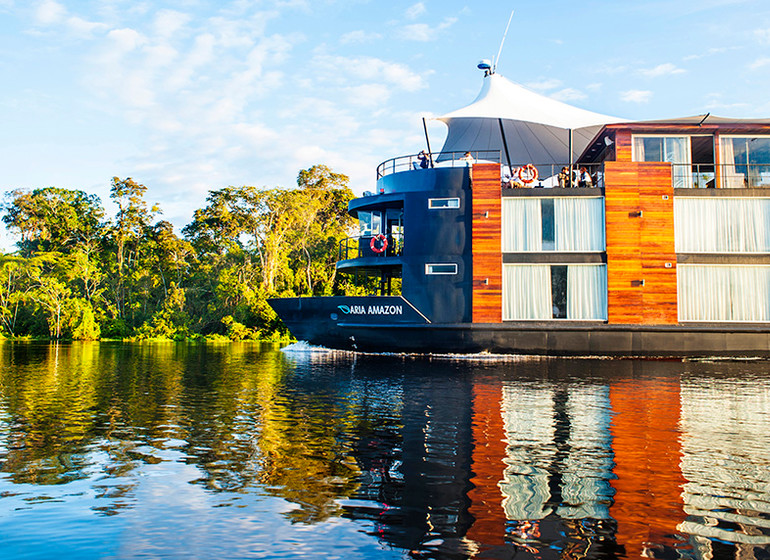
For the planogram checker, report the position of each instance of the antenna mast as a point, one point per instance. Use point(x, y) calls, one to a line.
point(500, 50)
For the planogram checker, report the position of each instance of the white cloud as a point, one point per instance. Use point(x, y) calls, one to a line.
point(358, 37)
point(415, 11)
point(636, 96)
point(168, 22)
point(759, 63)
point(334, 68)
point(125, 40)
point(763, 35)
point(49, 12)
point(666, 69)
point(423, 32)
point(568, 94)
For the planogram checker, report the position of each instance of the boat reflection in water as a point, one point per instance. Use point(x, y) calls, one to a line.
point(116, 450)
point(573, 459)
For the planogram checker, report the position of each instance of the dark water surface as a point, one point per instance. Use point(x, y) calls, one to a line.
point(244, 451)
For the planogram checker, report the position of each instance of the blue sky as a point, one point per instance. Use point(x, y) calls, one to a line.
point(191, 95)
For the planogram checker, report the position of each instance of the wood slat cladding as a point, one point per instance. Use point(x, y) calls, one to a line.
point(485, 244)
point(639, 247)
point(624, 148)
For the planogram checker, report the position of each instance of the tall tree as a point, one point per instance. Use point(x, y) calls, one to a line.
point(53, 219)
point(131, 222)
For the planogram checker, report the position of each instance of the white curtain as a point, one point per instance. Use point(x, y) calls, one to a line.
point(522, 225)
point(587, 292)
point(731, 179)
point(724, 293)
point(579, 224)
point(679, 154)
point(527, 292)
point(722, 225)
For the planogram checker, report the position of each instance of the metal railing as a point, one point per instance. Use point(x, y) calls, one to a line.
point(550, 175)
point(441, 159)
point(358, 247)
point(723, 176)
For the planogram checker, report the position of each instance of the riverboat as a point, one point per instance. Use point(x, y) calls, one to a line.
point(541, 228)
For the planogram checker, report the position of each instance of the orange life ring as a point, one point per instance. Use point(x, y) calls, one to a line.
point(382, 247)
point(530, 171)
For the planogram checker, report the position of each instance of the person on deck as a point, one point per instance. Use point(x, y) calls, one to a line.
point(564, 181)
point(584, 178)
point(422, 161)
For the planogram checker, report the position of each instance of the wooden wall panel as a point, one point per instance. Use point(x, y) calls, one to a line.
point(623, 147)
point(486, 233)
point(648, 481)
point(639, 248)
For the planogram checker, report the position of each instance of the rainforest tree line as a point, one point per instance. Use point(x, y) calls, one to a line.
point(79, 274)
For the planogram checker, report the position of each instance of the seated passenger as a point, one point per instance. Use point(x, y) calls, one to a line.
point(564, 181)
point(584, 178)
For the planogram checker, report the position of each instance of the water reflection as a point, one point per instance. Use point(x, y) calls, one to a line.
point(252, 452)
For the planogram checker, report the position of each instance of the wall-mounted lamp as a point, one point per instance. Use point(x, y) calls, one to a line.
point(637, 214)
point(637, 283)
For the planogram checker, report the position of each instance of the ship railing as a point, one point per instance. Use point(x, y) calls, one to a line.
point(440, 159)
point(722, 176)
point(361, 246)
point(551, 175)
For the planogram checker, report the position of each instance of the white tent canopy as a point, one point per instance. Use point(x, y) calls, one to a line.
point(537, 128)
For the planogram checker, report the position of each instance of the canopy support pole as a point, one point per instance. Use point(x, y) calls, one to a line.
point(427, 141)
point(505, 144)
point(569, 147)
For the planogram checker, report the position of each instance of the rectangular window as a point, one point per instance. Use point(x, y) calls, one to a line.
point(722, 225)
point(436, 203)
point(545, 292)
point(369, 223)
point(563, 224)
point(718, 293)
point(745, 161)
point(441, 268)
point(546, 210)
point(673, 149)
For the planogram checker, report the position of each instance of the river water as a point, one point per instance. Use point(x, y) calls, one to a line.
point(246, 451)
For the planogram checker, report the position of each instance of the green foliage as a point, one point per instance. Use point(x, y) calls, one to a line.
point(79, 276)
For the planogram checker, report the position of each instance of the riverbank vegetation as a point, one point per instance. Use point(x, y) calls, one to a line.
point(79, 274)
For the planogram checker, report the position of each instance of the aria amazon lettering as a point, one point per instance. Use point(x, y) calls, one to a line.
point(371, 309)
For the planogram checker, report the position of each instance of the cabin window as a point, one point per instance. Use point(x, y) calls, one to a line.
point(566, 224)
point(545, 292)
point(370, 223)
point(437, 203)
point(673, 149)
point(718, 293)
point(441, 268)
point(722, 225)
point(745, 161)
